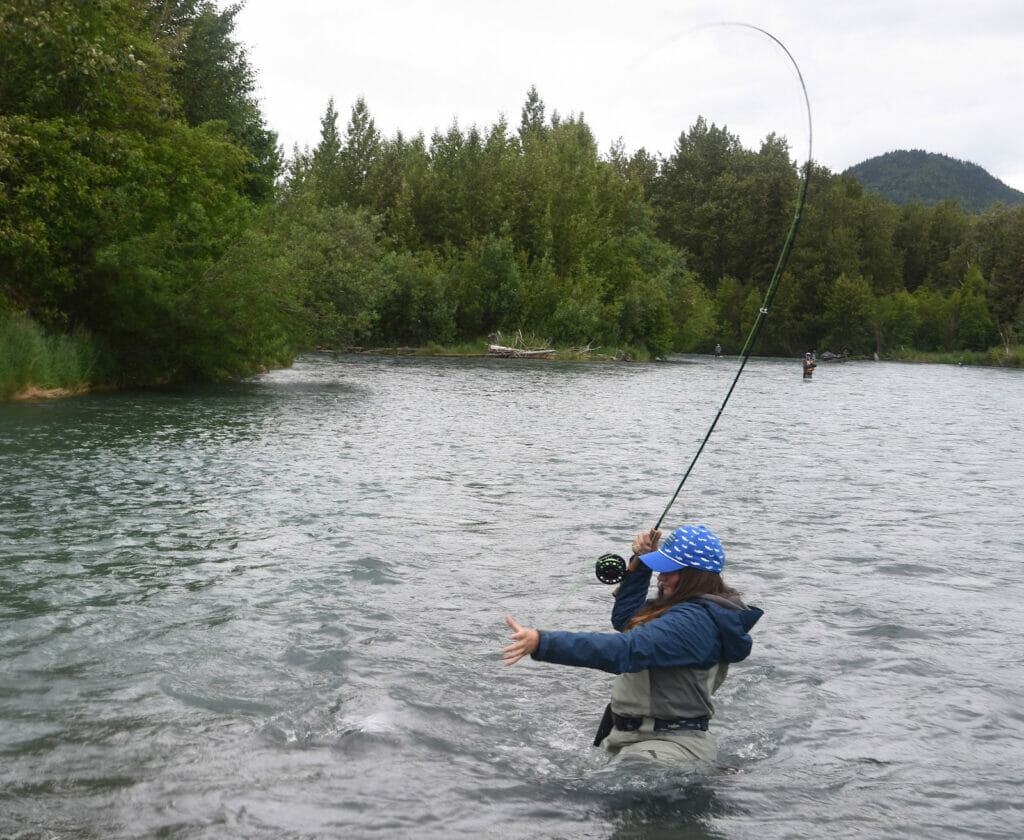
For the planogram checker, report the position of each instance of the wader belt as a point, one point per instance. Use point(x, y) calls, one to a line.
point(632, 724)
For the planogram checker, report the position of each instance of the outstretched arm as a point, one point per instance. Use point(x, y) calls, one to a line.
point(525, 641)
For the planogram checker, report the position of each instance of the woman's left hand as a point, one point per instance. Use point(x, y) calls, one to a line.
point(526, 640)
point(646, 543)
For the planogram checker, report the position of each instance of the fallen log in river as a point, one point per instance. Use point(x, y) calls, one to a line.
point(504, 352)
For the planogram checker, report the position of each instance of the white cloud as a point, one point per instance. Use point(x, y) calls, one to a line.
point(941, 76)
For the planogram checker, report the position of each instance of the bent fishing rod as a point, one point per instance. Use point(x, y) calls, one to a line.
point(611, 568)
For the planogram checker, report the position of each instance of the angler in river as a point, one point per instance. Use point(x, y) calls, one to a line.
point(809, 365)
point(671, 654)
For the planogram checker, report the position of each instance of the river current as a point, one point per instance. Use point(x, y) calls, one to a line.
point(273, 608)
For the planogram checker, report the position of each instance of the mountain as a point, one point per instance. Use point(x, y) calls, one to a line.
point(927, 178)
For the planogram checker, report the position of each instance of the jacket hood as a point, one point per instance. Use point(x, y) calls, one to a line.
point(734, 619)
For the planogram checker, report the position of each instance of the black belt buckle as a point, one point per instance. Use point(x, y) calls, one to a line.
point(626, 724)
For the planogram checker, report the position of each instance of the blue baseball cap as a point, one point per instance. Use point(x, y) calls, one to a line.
point(693, 546)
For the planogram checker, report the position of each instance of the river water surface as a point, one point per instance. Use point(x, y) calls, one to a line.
point(273, 609)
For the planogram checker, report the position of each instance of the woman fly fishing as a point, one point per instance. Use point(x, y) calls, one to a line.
point(672, 652)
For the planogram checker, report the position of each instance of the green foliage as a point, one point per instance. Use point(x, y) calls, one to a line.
point(246, 310)
point(935, 325)
point(359, 154)
point(692, 315)
point(729, 299)
point(536, 231)
point(416, 308)
point(488, 283)
point(576, 316)
point(896, 321)
point(137, 202)
point(848, 306)
point(1012, 356)
point(997, 240)
point(131, 154)
point(975, 328)
point(324, 178)
point(334, 258)
point(212, 78)
point(51, 206)
point(468, 348)
point(149, 290)
point(948, 240)
point(79, 61)
point(31, 357)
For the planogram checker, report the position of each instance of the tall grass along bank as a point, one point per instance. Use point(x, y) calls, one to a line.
point(36, 363)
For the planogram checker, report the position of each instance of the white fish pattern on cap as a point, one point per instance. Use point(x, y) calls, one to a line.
point(705, 549)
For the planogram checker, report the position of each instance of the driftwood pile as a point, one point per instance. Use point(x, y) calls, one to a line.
point(518, 351)
point(504, 352)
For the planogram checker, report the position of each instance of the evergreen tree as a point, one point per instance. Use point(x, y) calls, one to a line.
point(531, 123)
point(213, 80)
point(998, 242)
point(947, 242)
point(359, 153)
point(325, 163)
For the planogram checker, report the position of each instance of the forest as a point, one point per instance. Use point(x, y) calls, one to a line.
point(152, 230)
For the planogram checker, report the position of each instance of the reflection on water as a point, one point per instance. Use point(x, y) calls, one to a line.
point(272, 608)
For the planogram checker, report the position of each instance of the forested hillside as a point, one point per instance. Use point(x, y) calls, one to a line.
point(927, 178)
point(150, 228)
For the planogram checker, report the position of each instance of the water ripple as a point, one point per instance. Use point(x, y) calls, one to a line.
point(273, 608)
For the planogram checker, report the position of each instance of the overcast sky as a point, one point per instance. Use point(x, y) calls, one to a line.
point(946, 77)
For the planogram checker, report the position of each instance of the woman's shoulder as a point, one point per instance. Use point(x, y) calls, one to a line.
point(689, 611)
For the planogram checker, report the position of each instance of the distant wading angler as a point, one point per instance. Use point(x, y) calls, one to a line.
point(809, 365)
point(671, 654)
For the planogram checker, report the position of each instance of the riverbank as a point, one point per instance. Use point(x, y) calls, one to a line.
point(519, 348)
point(33, 393)
point(67, 366)
point(994, 357)
point(1000, 356)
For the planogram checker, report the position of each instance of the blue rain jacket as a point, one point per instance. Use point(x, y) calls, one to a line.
point(697, 634)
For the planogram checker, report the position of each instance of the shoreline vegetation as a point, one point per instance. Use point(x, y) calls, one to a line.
point(995, 357)
point(153, 231)
point(35, 366)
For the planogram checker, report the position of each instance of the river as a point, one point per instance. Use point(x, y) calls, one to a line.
point(273, 608)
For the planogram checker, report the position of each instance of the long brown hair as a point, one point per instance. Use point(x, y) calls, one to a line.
point(692, 583)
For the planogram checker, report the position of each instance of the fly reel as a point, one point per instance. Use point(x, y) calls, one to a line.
point(610, 568)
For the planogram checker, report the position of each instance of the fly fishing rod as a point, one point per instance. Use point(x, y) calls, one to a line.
point(611, 568)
